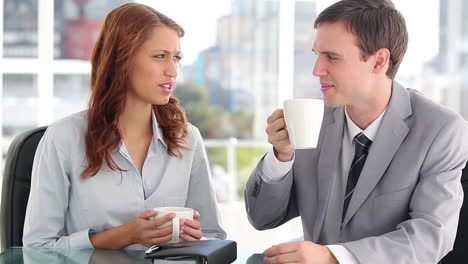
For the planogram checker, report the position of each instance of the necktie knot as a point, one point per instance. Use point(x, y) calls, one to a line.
point(361, 144)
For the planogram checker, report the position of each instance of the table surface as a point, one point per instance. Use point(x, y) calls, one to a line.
point(19, 255)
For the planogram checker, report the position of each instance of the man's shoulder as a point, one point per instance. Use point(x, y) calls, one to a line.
point(424, 108)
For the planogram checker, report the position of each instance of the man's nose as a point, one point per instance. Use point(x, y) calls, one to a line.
point(319, 69)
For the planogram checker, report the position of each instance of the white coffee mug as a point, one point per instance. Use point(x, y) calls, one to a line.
point(180, 212)
point(303, 121)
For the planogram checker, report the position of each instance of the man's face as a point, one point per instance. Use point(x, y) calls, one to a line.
point(345, 78)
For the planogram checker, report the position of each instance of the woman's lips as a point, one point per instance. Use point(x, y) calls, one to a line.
point(167, 87)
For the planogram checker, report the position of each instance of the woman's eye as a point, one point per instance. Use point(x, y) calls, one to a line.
point(159, 56)
point(177, 58)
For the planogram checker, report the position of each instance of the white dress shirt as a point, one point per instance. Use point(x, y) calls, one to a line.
point(63, 208)
point(275, 170)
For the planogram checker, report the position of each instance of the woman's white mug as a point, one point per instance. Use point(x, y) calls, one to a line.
point(303, 121)
point(180, 212)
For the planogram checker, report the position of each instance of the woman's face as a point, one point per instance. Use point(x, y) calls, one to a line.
point(154, 68)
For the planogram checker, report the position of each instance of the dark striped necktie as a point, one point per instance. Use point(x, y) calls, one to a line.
point(361, 144)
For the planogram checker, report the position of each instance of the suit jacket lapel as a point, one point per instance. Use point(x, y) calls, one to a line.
point(327, 164)
point(390, 135)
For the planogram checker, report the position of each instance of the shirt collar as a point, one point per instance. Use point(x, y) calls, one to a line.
point(370, 131)
point(157, 132)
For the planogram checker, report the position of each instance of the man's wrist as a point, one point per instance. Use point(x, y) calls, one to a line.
point(283, 157)
point(331, 257)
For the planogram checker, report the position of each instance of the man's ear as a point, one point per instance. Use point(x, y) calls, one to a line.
point(381, 61)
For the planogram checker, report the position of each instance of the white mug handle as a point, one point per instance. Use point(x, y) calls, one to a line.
point(175, 229)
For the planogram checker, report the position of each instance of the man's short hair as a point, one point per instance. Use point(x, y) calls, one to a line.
point(375, 23)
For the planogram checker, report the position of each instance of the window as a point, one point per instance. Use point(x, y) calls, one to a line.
point(242, 58)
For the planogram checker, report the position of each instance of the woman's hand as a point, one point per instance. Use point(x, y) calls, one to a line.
point(191, 230)
point(147, 231)
point(142, 230)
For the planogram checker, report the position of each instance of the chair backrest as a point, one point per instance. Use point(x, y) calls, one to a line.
point(16, 185)
point(459, 254)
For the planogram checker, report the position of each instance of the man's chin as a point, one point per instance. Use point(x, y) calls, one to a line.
point(330, 102)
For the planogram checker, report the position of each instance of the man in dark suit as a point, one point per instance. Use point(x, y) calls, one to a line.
point(383, 184)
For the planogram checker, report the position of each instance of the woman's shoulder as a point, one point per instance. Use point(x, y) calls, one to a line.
point(72, 122)
point(70, 127)
point(194, 136)
point(193, 131)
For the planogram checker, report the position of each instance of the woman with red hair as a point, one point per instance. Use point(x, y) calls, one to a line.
point(98, 174)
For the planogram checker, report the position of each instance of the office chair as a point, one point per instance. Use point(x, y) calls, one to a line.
point(459, 254)
point(16, 185)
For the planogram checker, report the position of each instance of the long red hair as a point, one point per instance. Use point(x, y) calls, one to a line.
point(124, 30)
